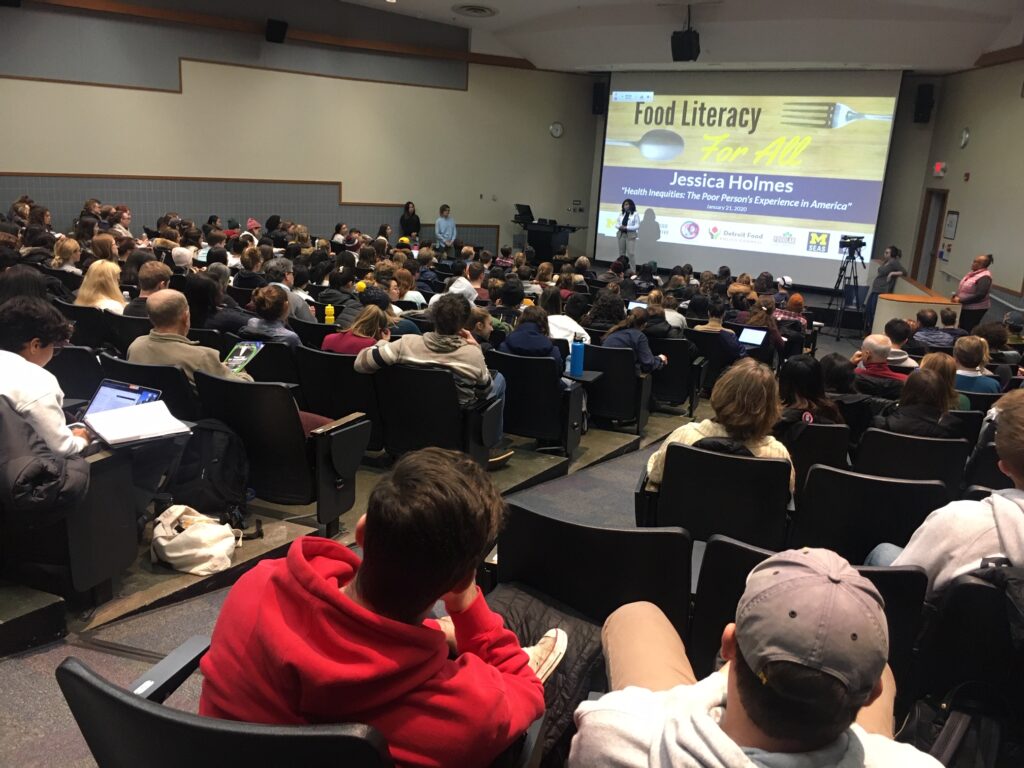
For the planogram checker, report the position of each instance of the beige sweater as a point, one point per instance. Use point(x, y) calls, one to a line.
point(688, 434)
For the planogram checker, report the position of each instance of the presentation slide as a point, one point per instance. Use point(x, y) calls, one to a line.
point(780, 177)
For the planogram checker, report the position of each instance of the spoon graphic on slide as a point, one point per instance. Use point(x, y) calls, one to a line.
point(658, 145)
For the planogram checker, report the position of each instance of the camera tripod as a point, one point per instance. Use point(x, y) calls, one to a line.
point(846, 279)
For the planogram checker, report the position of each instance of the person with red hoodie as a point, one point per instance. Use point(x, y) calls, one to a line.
point(321, 636)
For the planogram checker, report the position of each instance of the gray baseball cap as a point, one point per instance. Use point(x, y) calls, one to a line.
point(811, 607)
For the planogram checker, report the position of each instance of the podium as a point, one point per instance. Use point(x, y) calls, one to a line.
point(546, 237)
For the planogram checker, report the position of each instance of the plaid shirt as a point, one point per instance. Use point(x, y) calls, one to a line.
point(785, 314)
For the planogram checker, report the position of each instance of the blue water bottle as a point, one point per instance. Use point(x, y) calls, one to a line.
point(576, 357)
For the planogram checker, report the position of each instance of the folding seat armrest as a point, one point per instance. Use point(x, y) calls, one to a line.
point(163, 679)
point(345, 441)
point(489, 415)
point(645, 503)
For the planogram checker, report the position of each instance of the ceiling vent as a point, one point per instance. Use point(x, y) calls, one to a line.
point(475, 11)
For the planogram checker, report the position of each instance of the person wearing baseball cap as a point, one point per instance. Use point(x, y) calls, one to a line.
point(806, 683)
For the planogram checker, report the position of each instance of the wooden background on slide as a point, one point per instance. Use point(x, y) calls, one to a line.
point(855, 151)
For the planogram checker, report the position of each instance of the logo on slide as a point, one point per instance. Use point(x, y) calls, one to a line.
point(714, 232)
point(817, 242)
point(786, 238)
point(689, 230)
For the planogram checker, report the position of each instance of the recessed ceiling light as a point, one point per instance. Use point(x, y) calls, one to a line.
point(475, 11)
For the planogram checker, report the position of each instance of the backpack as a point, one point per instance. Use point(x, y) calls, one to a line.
point(214, 471)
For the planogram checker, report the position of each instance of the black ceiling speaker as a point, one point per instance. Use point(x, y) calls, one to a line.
point(276, 30)
point(686, 42)
point(924, 100)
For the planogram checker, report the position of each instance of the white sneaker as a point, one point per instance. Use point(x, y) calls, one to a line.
point(548, 653)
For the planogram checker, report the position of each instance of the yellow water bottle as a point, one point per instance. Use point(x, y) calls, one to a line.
point(329, 314)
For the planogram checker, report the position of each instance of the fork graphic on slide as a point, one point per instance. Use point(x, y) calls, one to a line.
point(824, 114)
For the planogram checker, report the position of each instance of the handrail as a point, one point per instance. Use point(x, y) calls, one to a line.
point(991, 295)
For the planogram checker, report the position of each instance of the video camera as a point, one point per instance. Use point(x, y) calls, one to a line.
point(853, 245)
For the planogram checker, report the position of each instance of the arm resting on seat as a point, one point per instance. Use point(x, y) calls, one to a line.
point(162, 680)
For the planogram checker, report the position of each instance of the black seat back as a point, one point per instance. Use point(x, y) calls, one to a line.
point(78, 372)
point(722, 580)
point(311, 334)
point(90, 328)
point(533, 397)
point(711, 347)
point(613, 396)
point(984, 469)
point(676, 382)
point(124, 730)
point(242, 295)
point(889, 454)
point(982, 401)
point(265, 416)
point(972, 421)
point(274, 361)
point(710, 493)
point(122, 330)
point(208, 338)
point(332, 388)
point(818, 444)
point(597, 569)
point(175, 389)
point(852, 513)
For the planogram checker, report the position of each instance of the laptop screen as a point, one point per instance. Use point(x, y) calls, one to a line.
point(524, 211)
point(753, 336)
point(636, 305)
point(116, 394)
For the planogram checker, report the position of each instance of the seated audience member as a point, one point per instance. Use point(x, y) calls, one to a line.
point(802, 389)
point(874, 377)
point(565, 286)
point(949, 319)
point(746, 404)
point(806, 681)
point(793, 312)
point(369, 327)
point(657, 326)
point(531, 337)
point(461, 285)
point(898, 331)
point(182, 258)
point(923, 409)
point(341, 294)
point(545, 276)
point(997, 337)
point(971, 353)
point(784, 286)
point(739, 306)
point(281, 272)
point(613, 274)
point(101, 289)
point(301, 283)
point(132, 265)
point(250, 275)
point(858, 410)
point(965, 535)
point(576, 307)
point(732, 350)
point(481, 324)
point(764, 284)
point(504, 258)
point(742, 286)
point(427, 276)
point(379, 298)
point(168, 343)
point(646, 278)
point(628, 333)
point(407, 288)
point(697, 309)
point(927, 333)
point(270, 303)
point(672, 314)
point(449, 346)
point(66, 254)
point(606, 311)
point(153, 276)
point(945, 366)
point(562, 326)
point(32, 331)
point(1014, 322)
point(761, 316)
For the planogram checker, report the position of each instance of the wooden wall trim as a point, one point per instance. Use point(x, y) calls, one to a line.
point(230, 24)
point(1002, 56)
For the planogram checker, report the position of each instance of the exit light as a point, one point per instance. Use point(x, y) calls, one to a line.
point(939, 170)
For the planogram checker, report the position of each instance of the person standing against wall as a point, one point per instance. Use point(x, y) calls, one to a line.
point(629, 226)
point(410, 222)
point(884, 282)
point(973, 292)
point(444, 230)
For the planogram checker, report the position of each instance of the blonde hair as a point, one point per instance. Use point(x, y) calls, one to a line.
point(370, 323)
point(746, 400)
point(945, 366)
point(63, 252)
point(545, 272)
point(971, 352)
point(101, 282)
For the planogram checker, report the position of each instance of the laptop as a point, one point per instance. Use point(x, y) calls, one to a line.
point(635, 305)
point(111, 395)
point(753, 337)
point(524, 213)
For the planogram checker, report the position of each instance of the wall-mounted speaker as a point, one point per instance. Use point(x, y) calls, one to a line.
point(924, 101)
point(10, 3)
point(685, 45)
point(276, 30)
point(599, 106)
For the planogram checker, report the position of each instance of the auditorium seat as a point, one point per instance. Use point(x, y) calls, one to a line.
point(90, 329)
point(710, 493)
point(332, 388)
point(69, 280)
point(78, 372)
point(679, 381)
point(419, 407)
point(208, 337)
point(981, 401)
point(286, 466)
point(722, 580)
point(537, 405)
point(122, 330)
point(312, 334)
point(764, 352)
point(818, 444)
point(972, 421)
point(175, 389)
point(983, 469)
point(242, 295)
point(889, 454)
point(852, 513)
point(621, 396)
point(274, 361)
point(712, 348)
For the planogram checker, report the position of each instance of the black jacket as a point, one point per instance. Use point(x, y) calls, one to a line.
point(407, 225)
point(921, 421)
point(346, 305)
point(36, 485)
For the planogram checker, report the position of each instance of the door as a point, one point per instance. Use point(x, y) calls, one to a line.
point(929, 235)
